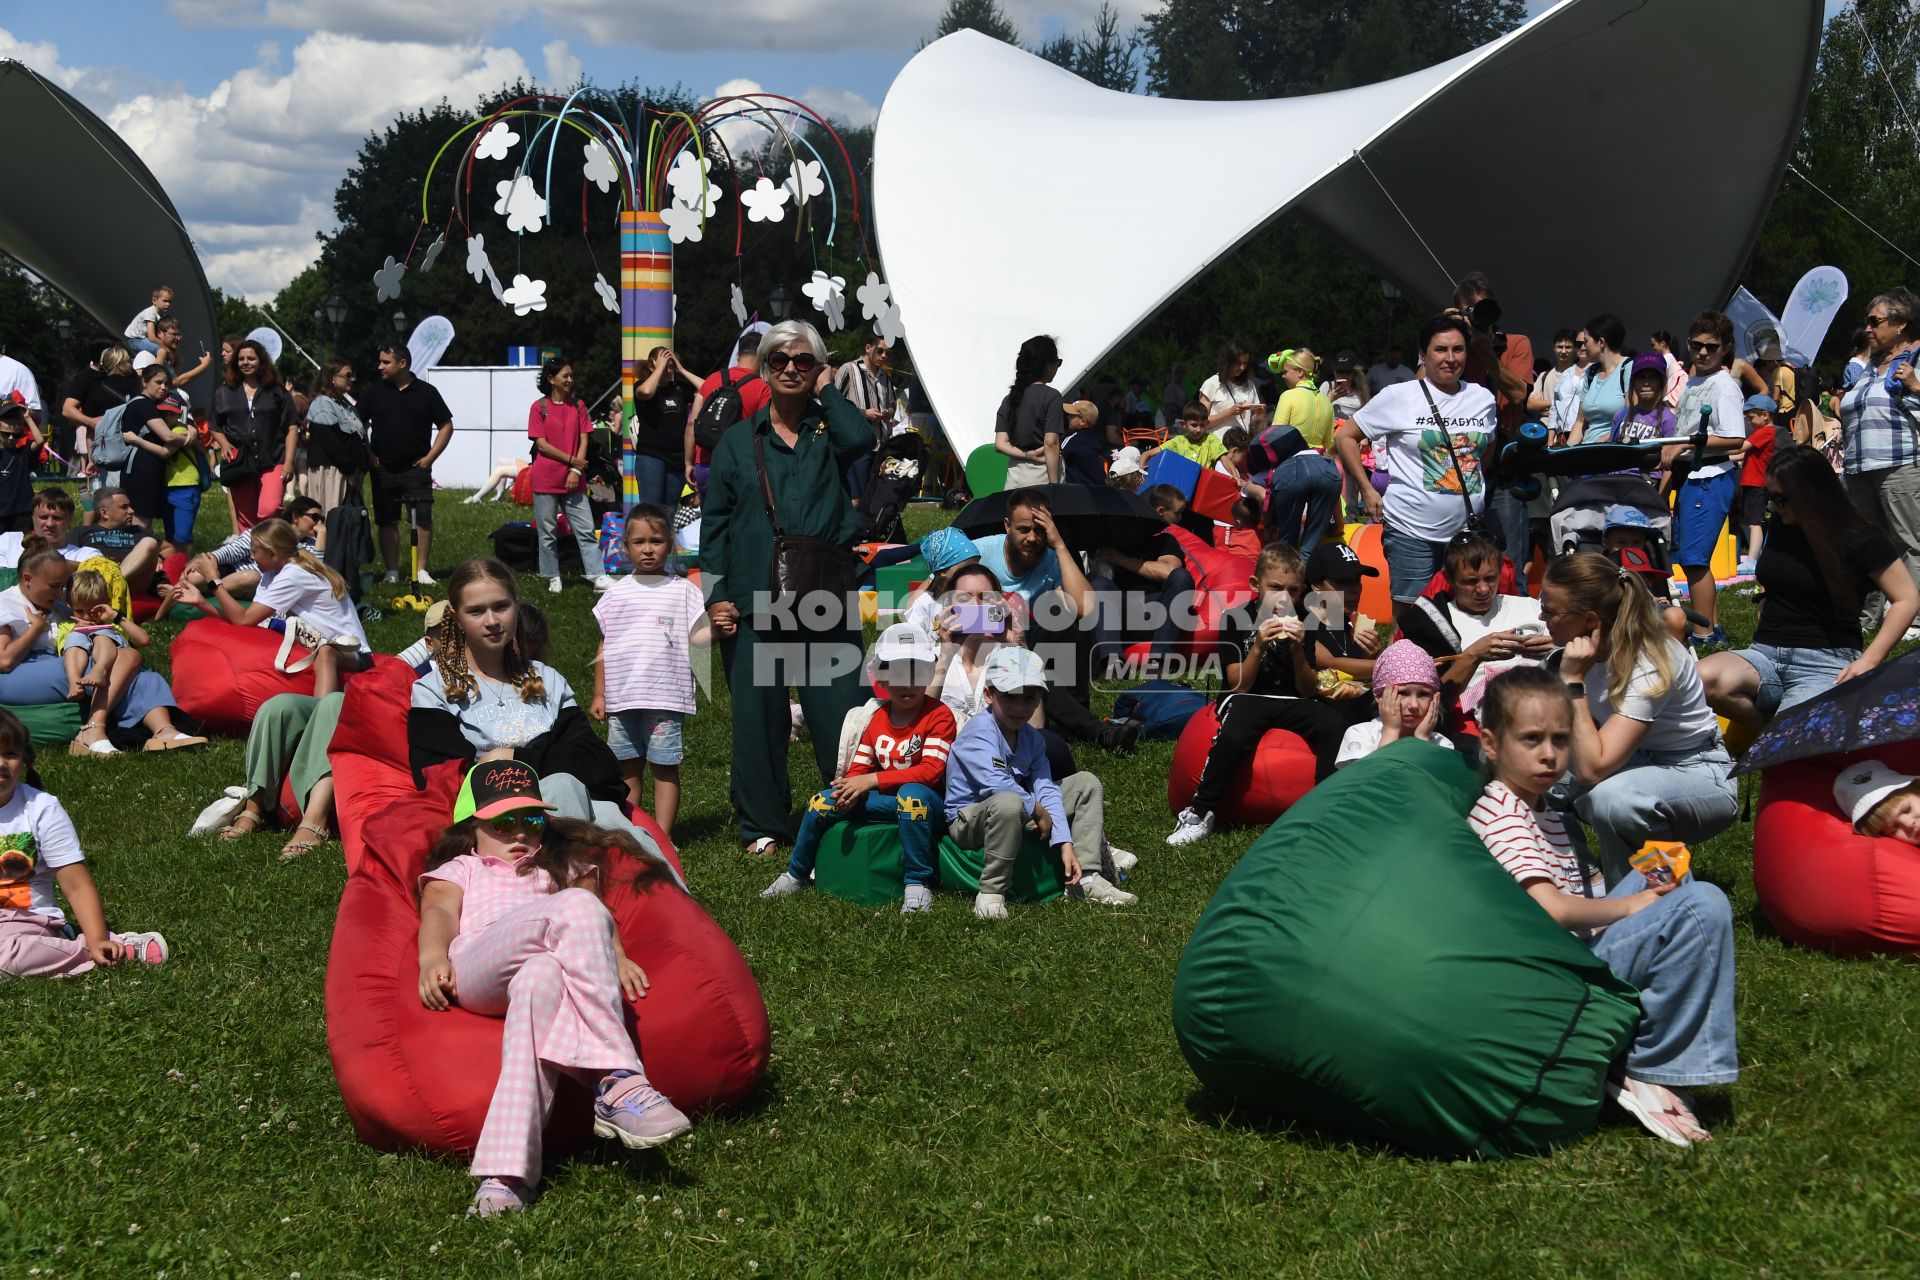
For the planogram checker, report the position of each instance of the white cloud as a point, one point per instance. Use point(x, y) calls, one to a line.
point(842, 106)
point(563, 69)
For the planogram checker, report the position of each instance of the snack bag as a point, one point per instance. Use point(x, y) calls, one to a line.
point(1662, 861)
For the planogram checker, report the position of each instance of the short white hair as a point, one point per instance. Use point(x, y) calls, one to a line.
point(788, 332)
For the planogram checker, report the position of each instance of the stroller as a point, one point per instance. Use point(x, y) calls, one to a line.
point(895, 479)
point(1581, 509)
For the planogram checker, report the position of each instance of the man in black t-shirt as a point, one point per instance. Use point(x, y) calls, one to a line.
point(119, 536)
point(410, 426)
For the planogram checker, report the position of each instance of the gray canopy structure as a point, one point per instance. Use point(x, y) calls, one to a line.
point(102, 230)
point(1609, 155)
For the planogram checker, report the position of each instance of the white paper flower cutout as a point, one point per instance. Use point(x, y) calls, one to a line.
point(688, 178)
point(477, 265)
point(495, 141)
point(386, 281)
point(873, 296)
point(609, 296)
point(888, 323)
point(599, 169)
point(836, 310)
point(805, 182)
point(765, 202)
point(493, 283)
point(526, 209)
point(433, 253)
point(823, 288)
point(525, 295)
point(739, 306)
point(683, 224)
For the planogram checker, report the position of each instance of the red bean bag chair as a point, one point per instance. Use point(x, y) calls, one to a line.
point(223, 673)
point(369, 753)
point(1821, 884)
point(412, 1078)
point(1222, 579)
point(1266, 786)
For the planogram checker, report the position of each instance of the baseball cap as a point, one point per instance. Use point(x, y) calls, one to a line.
point(1761, 404)
point(436, 614)
point(1862, 786)
point(13, 409)
point(1085, 410)
point(494, 787)
point(904, 642)
point(1648, 362)
point(1346, 360)
point(1622, 516)
point(1011, 669)
point(945, 548)
point(1336, 562)
point(1126, 463)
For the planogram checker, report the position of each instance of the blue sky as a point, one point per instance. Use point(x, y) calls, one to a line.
point(249, 111)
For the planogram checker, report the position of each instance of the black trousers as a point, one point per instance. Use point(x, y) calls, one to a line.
point(1245, 717)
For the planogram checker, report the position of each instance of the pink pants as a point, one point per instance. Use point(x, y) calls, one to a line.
point(33, 946)
point(549, 967)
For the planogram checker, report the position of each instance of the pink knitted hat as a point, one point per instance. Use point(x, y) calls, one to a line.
point(1404, 662)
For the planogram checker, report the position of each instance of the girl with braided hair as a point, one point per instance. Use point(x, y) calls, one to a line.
point(486, 697)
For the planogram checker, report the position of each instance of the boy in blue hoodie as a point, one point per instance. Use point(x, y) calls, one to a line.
point(998, 782)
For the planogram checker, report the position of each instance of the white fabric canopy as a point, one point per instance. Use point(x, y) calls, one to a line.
point(1610, 155)
point(100, 228)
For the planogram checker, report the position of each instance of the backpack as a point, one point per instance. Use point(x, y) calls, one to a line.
point(1272, 447)
point(1160, 707)
point(722, 409)
point(349, 542)
point(110, 447)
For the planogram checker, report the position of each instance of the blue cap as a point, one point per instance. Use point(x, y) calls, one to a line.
point(1622, 516)
point(944, 548)
point(1761, 404)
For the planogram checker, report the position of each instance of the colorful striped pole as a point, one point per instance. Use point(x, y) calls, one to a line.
point(646, 315)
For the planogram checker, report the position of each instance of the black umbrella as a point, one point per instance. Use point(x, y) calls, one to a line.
point(1873, 710)
point(1089, 516)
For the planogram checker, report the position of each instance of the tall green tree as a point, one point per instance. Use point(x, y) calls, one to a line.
point(984, 16)
point(1107, 56)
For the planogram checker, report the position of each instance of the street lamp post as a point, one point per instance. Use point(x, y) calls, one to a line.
point(400, 323)
point(779, 303)
point(1391, 292)
point(336, 315)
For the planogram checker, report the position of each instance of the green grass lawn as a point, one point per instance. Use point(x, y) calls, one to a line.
point(945, 1097)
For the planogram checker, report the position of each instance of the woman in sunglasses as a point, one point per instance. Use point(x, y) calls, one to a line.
point(1880, 424)
point(1820, 561)
point(512, 926)
point(789, 461)
point(1705, 497)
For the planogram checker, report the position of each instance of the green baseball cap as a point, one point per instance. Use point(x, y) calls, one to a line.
point(494, 787)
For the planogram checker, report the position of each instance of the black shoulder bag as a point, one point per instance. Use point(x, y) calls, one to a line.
point(1475, 526)
point(802, 565)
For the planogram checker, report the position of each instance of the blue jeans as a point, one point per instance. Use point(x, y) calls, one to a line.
point(1790, 676)
point(1658, 795)
point(1679, 953)
point(857, 472)
point(918, 812)
point(135, 346)
point(1512, 529)
point(656, 482)
point(183, 505)
point(1303, 493)
point(1411, 562)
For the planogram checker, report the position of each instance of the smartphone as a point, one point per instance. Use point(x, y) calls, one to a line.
point(980, 618)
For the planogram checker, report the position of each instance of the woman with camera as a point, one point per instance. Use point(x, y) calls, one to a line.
point(780, 579)
point(661, 401)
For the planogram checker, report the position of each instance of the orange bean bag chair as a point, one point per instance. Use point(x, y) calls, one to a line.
point(1821, 884)
point(1272, 781)
point(412, 1078)
point(1376, 594)
point(223, 673)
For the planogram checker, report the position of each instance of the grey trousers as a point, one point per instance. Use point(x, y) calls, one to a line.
point(1890, 498)
point(995, 827)
point(570, 799)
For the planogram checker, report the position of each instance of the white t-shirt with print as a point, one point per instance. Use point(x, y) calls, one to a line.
point(1722, 392)
point(1424, 499)
point(1677, 720)
point(36, 838)
point(293, 592)
point(1507, 613)
point(16, 618)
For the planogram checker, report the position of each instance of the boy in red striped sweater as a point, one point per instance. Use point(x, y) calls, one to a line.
point(897, 772)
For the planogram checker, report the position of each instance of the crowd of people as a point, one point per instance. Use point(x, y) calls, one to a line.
point(1581, 698)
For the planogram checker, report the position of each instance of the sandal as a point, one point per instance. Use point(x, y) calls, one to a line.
point(298, 848)
point(172, 742)
point(763, 847)
point(233, 830)
point(1659, 1110)
point(100, 746)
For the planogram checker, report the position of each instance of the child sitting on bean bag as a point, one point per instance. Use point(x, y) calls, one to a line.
point(1880, 801)
point(897, 772)
point(1406, 690)
point(512, 925)
point(1672, 940)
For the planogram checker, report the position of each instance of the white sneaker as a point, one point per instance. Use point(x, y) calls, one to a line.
point(424, 578)
point(1912, 633)
point(990, 906)
point(1193, 826)
point(1095, 887)
point(1123, 862)
point(390, 576)
point(603, 583)
point(553, 586)
point(784, 887)
point(919, 898)
point(472, 498)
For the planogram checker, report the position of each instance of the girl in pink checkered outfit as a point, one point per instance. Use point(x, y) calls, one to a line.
point(512, 925)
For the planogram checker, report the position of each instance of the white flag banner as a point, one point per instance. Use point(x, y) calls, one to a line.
point(1811, 307)
point(429, 343)
point(269, 339)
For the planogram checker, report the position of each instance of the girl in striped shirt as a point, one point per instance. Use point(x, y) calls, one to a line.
point(1672, 941)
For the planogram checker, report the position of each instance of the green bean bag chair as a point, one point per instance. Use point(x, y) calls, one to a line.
point(861, 863)
point(1369, 971)
point(51, 724)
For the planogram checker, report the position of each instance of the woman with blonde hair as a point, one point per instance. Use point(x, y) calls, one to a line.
point(1303, 487)
point(1648, 762)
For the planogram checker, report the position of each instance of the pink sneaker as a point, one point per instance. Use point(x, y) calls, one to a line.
point(496, 1196)
point(145, 948)
point(634, 1112)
